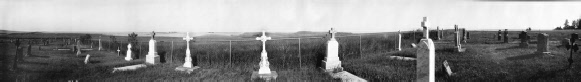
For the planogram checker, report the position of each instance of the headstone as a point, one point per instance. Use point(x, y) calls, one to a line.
point(447, 68)
point(565, 42)
point(100, 44)
point(505, 36)
point(464, 35)
point(128, 55)
point(398, 40)
point(188, 66)
point(152, 57)
point(78, 47)
point(264, 71)
point(438, 33)
point(467, 35)
point(118, 52)
point(426, 54)
point(87, 59)
point(29, 52)
point(332, 62)
point(543, 43)
point(499, 35)
point(524, 39)
point(459, 47)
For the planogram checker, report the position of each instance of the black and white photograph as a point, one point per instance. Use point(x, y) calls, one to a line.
point(290, 40)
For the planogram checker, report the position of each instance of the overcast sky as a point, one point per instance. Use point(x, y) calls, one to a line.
point(279, 15)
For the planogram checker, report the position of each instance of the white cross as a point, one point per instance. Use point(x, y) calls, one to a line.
point(263, 38)
point(332, 31)
point(188, 38)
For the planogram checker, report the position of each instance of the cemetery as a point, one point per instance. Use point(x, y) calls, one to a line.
point(444, 53)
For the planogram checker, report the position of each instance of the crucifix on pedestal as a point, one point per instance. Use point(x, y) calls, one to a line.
point(264, 64)
point(332, 32)
point(188, 66)
point(188, 60)
point(264, 70)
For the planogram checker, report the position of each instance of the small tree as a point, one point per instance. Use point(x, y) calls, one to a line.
point(558, 28)
point(85, 38)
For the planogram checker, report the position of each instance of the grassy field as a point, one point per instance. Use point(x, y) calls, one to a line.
point(216, 61)
point(487, 59)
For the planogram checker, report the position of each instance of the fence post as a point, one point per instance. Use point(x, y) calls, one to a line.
point(230, 58)
point(300, 56)
point(360, 48)
point(171, 53)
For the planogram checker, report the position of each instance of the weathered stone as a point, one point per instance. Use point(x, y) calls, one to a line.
point(524, 39)
point(543, 43)
point(128, 55)
point(425, 57)
point(505, 35)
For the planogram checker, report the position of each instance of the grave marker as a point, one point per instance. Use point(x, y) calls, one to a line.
point(264, 71)
point(187, 67)
point(425, 62)
point(457, 39)
point(152, 57)
point(505, 36)
point(399, 40)
point(118, 51)
point(543, 43)
point(128, 55)
point(78, 47)
point(100, 44)
point(499, 35)
point(87, 59)
point(332, 62)
point(464, 35)
point(524, 39)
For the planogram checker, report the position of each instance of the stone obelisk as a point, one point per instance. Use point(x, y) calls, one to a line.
point(332, 62)
point(152, 57)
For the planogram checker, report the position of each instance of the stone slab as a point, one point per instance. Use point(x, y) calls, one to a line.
point(186, 69)
point(272, 76)
point(402, 58)
point(129, 68)
point(347, 77)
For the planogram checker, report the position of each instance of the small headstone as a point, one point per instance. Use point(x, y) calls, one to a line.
point(447, 67)
point(425, 62)
point(505, 36)
point(100, 45)
point(499, 35)
point(524, 39)
point(152, 57)
point(438, 33)
point(78, 47)
point(464, 35)
point(459, 47)
point(565, 42)
point(543, 43)
point(398, 40)
point(87, 59)
point(128, 55)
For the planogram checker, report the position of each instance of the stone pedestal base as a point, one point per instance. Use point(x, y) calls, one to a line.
point(266, 77)
point(460, 49)
point(187, 69)
point(331, 66)
point(152, 59)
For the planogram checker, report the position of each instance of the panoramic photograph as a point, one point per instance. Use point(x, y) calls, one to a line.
point(290, 40)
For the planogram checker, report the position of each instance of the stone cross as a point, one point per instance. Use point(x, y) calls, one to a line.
point(332, 32)
point(425, 25)
point(152, 34)
point(188, 60)
point(264, 38)
point(264, 64)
